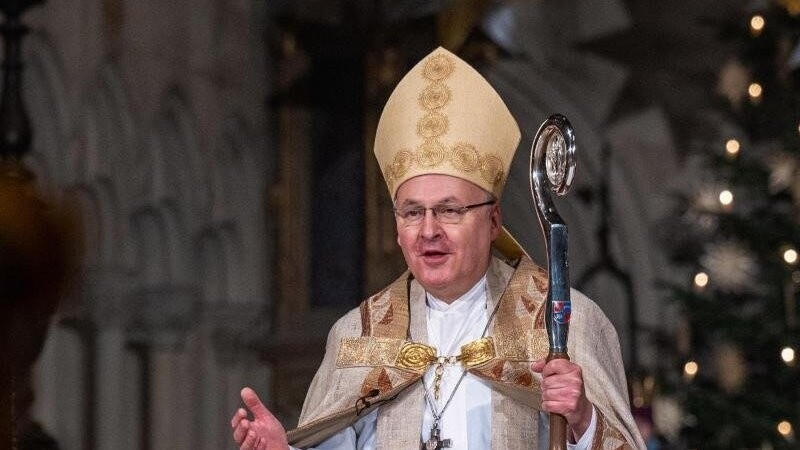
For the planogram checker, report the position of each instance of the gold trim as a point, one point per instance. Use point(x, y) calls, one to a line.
point(371, 351)
point(432, 153)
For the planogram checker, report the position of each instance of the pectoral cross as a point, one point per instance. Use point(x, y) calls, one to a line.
point(434, 442)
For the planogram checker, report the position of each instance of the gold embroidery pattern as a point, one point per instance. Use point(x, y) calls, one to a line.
point(504, 357)
point(431, 154)
point(528, 345)
point(400, 165)
point(438, 67)
point(380, 351)
point(433, 125)
point(377, 351)
point(492, 169)
point(416, 357)
point(476, 352)
point(465, 157)
point(367, 351)
point(435, 96)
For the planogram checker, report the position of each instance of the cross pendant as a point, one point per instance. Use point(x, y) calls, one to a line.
point(435, 443)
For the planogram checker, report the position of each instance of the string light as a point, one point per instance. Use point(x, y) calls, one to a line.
point(790, 255)
point(726, 198)
point(732, 147)
point(690, 370)
point(787, 355)
point(785, 428)
point(755, 90)
point(757, 23)
point(701, 280)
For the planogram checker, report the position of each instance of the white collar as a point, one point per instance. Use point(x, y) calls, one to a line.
point(476, 293)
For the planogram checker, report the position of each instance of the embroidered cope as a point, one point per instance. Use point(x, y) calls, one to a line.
point(467, 419)
point(368, 392)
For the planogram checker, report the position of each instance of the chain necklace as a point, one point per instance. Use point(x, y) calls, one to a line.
point(435, 442)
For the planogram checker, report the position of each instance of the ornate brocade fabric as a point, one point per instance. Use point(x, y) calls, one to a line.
point(363, 367)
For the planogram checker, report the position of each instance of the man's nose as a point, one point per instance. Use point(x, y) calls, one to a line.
point(430, 225)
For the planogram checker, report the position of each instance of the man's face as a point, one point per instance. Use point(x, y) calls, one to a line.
point(447, 259)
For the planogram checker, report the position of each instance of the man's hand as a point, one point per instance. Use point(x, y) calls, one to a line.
point(264, 432)
point(563, 393)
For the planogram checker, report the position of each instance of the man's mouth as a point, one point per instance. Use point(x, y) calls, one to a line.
point(433, 255)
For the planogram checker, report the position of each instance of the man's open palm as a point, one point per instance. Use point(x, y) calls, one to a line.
point(263, 431)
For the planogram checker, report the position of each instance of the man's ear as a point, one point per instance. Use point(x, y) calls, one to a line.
point(497, 220)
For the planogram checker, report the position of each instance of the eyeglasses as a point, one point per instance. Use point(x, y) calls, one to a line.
point(448, 214)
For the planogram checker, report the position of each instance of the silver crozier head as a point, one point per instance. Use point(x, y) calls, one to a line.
point(552, 164)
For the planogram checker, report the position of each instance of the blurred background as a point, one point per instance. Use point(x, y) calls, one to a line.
point(188, 200)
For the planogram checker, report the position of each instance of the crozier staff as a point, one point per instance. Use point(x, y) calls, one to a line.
point(451, 354)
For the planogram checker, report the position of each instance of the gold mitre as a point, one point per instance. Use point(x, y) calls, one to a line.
point(444, 118)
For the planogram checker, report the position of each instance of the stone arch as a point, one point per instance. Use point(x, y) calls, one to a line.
point(182, 156)
point(150, 236)
point(90, 210)
point(237, 259)
point(179, 257)
point(46, 99)
point(238, 177)
point(213, 278)
point(221, 264)
point(95, 168)
point(115, 129)
point(167, 183)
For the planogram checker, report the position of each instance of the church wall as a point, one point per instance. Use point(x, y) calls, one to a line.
point(149, 117)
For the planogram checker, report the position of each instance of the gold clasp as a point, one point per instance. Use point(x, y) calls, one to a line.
point(415, 356)
point(477, 352)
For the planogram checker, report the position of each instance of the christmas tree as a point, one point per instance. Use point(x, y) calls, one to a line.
point(736, 373)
